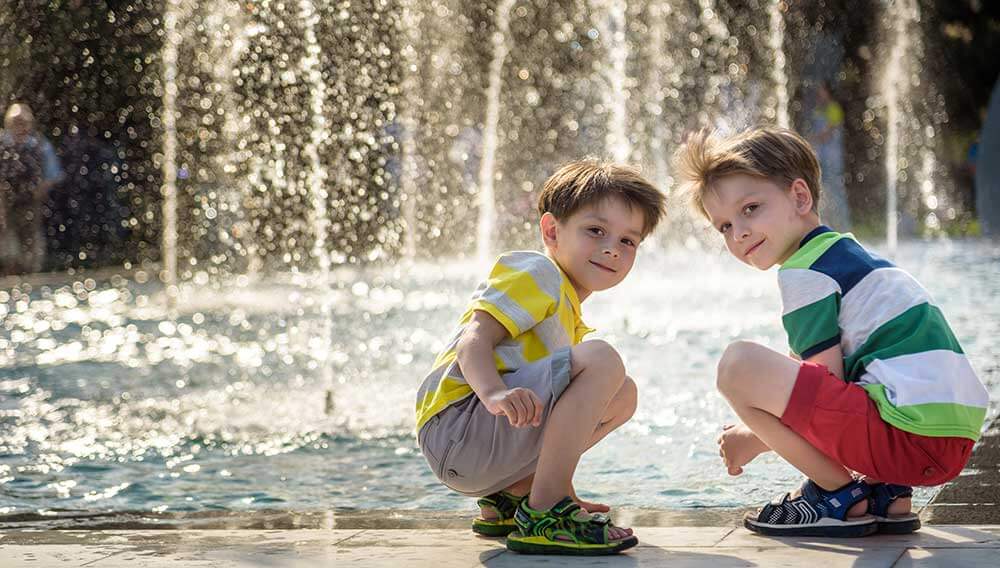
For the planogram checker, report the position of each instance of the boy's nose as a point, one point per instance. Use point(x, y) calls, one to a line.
point(612, 252)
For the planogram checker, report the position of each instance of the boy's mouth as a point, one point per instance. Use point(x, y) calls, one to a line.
point(599, 265)
point(753, 248)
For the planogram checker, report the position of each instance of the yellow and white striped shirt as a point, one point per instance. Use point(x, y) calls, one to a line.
point(533, 299)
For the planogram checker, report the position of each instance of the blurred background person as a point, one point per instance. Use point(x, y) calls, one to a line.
point(826, 134)
point(29, 169)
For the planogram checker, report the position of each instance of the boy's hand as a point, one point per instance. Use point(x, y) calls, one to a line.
point(738, 446)
point(521, 406)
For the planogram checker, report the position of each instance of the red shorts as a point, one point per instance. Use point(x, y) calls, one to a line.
point(842, 421)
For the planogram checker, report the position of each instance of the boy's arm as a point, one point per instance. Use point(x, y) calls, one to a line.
point(521, 406)
point(832, 359)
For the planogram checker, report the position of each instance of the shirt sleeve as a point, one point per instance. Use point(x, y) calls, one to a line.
point(521, 291)
point(811, 309)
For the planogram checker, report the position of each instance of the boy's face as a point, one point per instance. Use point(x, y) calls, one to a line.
point(596, 245)
point(761, 222)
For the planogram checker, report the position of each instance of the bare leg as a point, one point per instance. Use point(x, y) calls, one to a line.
point(758, 383)
point(618, 411)
point(597, 373)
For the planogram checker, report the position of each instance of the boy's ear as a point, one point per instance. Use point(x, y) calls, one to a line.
point(802, 195)
point(548, 225)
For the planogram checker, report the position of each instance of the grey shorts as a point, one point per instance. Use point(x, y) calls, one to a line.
point(476, 453)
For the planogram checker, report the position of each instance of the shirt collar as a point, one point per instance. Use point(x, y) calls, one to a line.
point(814, 233)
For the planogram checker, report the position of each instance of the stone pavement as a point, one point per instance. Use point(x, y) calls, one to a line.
point(962, 528)
point(945, 546)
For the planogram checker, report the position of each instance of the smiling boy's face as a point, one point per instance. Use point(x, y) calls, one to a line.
point(596, 245)
point(761, 222)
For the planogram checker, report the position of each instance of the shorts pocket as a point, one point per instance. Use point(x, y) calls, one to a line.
point(933, 473)
point(440, 471)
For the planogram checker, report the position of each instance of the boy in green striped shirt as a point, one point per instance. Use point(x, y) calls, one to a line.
point(877, 395)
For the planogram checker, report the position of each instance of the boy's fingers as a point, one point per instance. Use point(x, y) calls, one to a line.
point(536, 403)
point(518, 405)
point(727, 427)
point(510, 411)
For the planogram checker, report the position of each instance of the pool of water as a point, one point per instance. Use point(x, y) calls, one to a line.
point(285, 394)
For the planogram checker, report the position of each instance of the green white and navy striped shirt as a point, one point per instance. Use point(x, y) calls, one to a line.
point(896, 343)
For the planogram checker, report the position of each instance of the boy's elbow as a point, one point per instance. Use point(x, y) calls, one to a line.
point(466, 345)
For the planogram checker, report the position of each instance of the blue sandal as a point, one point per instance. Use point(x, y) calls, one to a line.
point(882, 496)
point(816, 512)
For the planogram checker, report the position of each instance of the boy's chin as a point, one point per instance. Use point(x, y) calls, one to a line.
point(758, 265)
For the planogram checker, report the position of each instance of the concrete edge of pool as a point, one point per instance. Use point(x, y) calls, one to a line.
point(962, 528)
point(940, 545)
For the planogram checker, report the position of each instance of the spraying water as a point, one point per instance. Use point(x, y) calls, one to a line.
point(895, 87)
point(776, 41)
point(612, 26)
point(487, 207)
point(408, 123)
point(170, 45)
point(657, 46)
point(310, 66)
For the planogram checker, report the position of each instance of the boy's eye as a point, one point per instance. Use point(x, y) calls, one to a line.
point(724, 228)
point(750, 208)
point(596, 231)
point(628, 242)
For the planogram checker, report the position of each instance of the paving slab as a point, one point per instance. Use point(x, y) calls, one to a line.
point(447, 548)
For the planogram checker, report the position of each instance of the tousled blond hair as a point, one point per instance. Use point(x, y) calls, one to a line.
point(775, 154)
point(590, 181)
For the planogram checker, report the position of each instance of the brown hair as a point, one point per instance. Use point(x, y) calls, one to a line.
point(775, 154)
point(589, 181)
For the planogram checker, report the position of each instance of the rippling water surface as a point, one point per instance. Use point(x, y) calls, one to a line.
point(110, 403)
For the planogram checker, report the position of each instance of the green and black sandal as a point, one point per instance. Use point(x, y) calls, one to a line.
point(504, 505)
point(564, 529)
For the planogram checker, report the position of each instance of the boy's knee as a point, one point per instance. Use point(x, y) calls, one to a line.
point(630, 397)
point(736, 357)
point(600, 359)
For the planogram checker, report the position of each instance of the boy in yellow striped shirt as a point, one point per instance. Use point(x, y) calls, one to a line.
point(517, 396)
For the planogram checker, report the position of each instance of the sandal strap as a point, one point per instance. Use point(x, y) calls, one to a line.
point(836, 503)
point(502, 503)
point(884, 494)
point(563, 519)
point(813, 504)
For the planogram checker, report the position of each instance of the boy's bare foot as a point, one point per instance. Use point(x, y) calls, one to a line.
point(738, 446)
point(587, 505)
point(615, 532)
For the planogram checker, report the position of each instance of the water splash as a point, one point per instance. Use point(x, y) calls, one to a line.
point(487, 205)
point(776, 40)
point(320, 218)
point(411, 18)
point(895, 87)
point(612, 25)
point(663, 77)
point(169, 247)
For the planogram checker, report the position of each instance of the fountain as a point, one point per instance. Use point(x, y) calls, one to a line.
point(299, 352)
